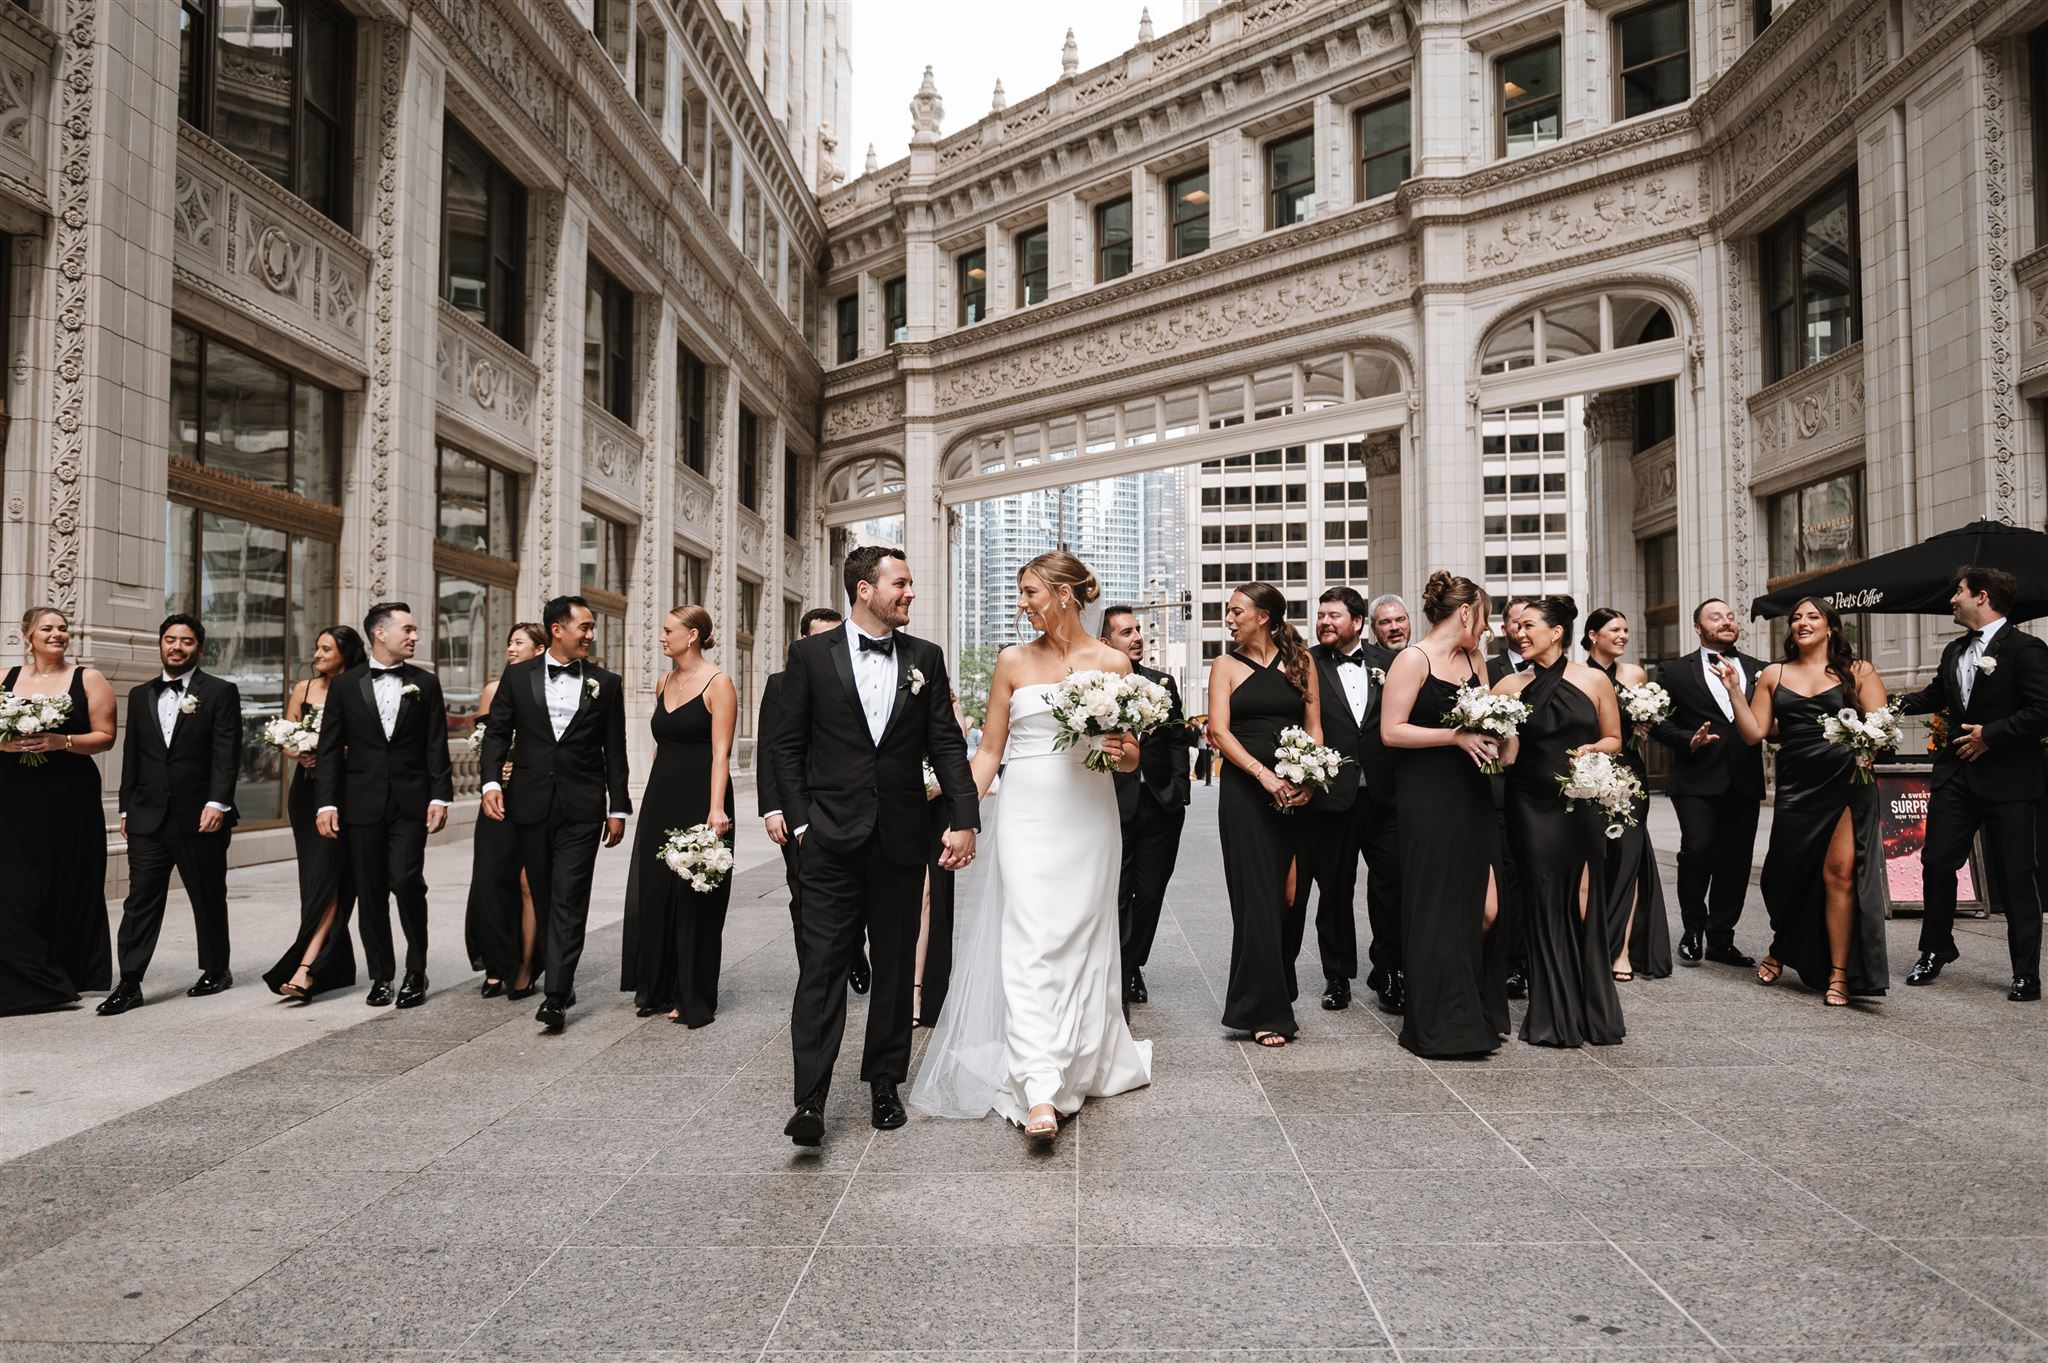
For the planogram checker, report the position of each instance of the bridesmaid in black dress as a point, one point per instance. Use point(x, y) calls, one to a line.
point(53, 832)
point(1265, 684)
point(1823, 877)
point(673, 933)
point(1558, 851)
point(1450, 840)
point(1638, 926)
point(321, 956)
point(501, 928)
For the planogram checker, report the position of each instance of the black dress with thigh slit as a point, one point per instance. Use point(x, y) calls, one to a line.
point(1259, 844)
point(325, 880)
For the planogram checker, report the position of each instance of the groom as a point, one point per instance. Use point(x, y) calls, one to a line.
point(864, 706)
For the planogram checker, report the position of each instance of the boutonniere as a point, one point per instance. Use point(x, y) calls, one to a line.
point(916, 682)
point(1987, 664)
point(1378, 675)
point(409, 689)
point(189, 705)
point(590, 688)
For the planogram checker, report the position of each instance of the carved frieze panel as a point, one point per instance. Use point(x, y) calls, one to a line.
point(863, 412)
point(1655, 474)
point(1814, 97)
point(693, 505)
point(242, 241)
point(2032, 273)
point(753, 536)
point(24, 129)
point(484, 382)
point(611, 456)
point(1809, 416)
point(1611, 214)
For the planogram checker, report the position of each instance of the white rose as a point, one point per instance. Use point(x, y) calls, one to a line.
point(1987, 664)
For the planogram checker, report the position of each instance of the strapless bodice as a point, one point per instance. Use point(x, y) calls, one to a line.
point(1033, 730)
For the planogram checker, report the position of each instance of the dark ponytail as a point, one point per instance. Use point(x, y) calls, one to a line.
point(1293, 653)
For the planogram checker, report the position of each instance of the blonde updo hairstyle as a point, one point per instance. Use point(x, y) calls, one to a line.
point(1446, 592)
point(699, 619)
point(32, 617)
point(1057, 568)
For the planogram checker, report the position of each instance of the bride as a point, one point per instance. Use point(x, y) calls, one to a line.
point(1034, 1023)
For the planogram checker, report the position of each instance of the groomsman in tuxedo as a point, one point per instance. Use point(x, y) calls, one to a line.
point(383, 769)
point(1354, 816)
point(1717, 785)
point(1515, 946)
point(568, 782)
point(1993, 684)
point(1153, 805)
point(817, 620)
point(1390, 622)
point(178, 767)
point(864, 707)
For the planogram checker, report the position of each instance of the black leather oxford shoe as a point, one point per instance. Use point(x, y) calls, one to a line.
point(1691, 947)
point(1134, 987)
point(858, 979)
point(379, 995)
point(888, 1108)
point(210, 983)
point(1518, 985)
point(1337, 995)
point(1927, 969)
point(127, 994)
point(2025, 989)
point(806, 1125)
point(551, 1015)
point(412, 990)
point(1728, 955)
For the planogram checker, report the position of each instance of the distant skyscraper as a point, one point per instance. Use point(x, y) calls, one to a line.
point(1101, 523)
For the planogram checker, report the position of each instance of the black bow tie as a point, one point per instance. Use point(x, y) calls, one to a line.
point(886, 645)
point(1358, 658)
point(1975, 636)
point(164, 684)
point(391, 671)
point(557, 669)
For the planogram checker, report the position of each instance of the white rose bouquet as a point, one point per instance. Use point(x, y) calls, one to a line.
point(1865, 735)
point(1479, 711)
point(1645, 704)
point(26, 716)
point(698, 855)
point(475, 737)
point(1606, 782)
point(1301, 761)
point(931, 782)
point(294, 737)
point(1091, 705)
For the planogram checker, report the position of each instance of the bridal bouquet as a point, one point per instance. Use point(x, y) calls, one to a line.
point(1302, 761)
point(294, 737)
point(1865, 735)
point(1479, 711)
point(475, 737)
point(698, 855)
point(1645, 704)
point(25, 716)
point(1090, 705)
point(1605, 781)
point(931, 782)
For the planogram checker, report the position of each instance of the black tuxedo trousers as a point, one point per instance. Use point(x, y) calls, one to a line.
point(560, 860)
point(1716, 839)
point(844, 892)
point(1151, 847)
point(389, 857)
point(1955, 811)
point(1337, 839)
point(201, 861)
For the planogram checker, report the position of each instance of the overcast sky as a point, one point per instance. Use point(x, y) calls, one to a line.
point(969, 44)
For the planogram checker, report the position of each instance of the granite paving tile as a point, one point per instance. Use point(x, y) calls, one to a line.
point(1499, 1091)
point(1519, 1296)
point(587, 1301)
point(1110, 1138)
point(752, 1210)
point(1186, 1209)
point(1358, 1093)
point(1613, 1140)
point(41, 1204)
point(1718, 1203)
point(957, 1209)
point(2010, 1272)
point(1449, 1140)
point(1448, 1207)
point(563, 1145)
point(1922, 1200)
point(478, 1207)
point(1191, 1298)
point(103, 1286)
point(980, 1299)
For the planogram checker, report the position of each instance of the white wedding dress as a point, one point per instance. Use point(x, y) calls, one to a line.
point(1034, 1013)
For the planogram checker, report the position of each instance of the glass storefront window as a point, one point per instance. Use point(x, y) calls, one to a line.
point(236, 414)
point(479, 507)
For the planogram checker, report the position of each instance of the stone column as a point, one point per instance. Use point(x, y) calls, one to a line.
point(1443, 65)
point(1613, 574)
point(1231, 200)
point(1333, 178)
point(1385, 514)
point(1064, 246)
point(557, 502)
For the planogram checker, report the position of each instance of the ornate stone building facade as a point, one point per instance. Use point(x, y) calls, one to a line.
point(1785, 273)
point(312, 303)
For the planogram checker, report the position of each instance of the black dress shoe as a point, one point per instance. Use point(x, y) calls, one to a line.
point(2024, 990)
point(1394, 997)
point(1518, 985)
point(492, 988)
point(1927, 969)
point(858, 979)
point(379, 995)
point(1376, 980)
point(210, 983)
point(412, 990)
point(806, 1125)
point(1728, 955)
point(1336, 995)
point(888, 1108)
point(1134, 987)
point(1691, 946)
point(127, 994)
point(550, 1015)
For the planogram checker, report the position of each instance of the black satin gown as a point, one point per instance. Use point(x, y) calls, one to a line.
point(1559, 851)
point(674, 935)
point(1259, 844)
point(1631, 885)
point(1815, 788)
point(54, 943)
point(1450, 846)
point(493, 924)
point(324, 878)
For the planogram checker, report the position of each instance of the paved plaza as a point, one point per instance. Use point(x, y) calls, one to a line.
point(1749, 1176)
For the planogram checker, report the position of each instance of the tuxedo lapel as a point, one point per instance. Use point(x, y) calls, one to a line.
point(842, 666)
point(904, 665)
point(540, 693)
point(178, 715)
point(152, 729)
point(368, 687)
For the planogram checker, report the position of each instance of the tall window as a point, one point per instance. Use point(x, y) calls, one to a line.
point(1814, 528)
point(1812, 267)
point(1653, 60)
point(1660, 597)
point(604, 555)
point(1113, 239)
point(743, 652)
point(273, 82)
point(1383, 147)
point(259, 567)
point(476, 576)
point(1189, 195)
point(692, 574)
point(896, 309)
point(792, 494)
point(846, 328)
point(750, 459)
point(1531, 99)
point(2037, 98)
point(607, 343)
point(971, 283)
point(483, 237)
point(1290, 178)
point(693, 382)
point(1033, 252)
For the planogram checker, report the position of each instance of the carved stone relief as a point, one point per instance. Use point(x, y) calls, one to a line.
point(484, 383)
point(71, 258)
point(611, 456)
point(1810, 416)
point(2007, 482)
point(1612, 214)
point(1655, 474)
point(863, 412)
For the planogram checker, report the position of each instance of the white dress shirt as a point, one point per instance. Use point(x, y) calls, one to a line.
point(1357, 680)
point(169, 698)
point(1714, 686)
point(564, 694)
point(1973, 652)
point(874, 676)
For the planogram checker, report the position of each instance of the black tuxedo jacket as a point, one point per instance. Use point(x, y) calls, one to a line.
point(163, 789)
point(370, 778)
point(1729, 767)
point(2010, 701)
point(767, 793)
point(578, 778)
point(1500, 664)
point(1162, 770)
point(1358, 740)
point(837, 782)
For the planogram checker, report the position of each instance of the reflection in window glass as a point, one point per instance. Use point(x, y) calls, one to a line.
point(1654, 63)
point(1812, 281)
point(1531, 99)
point(1383, 148)
point(1189, 195)
point(1290, 179)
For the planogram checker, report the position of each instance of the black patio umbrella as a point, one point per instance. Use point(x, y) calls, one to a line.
point(1916, 580)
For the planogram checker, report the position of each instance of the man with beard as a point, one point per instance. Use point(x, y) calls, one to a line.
point(1389, 615)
